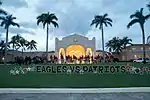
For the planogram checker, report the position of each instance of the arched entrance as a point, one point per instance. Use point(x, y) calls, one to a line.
point(89, 52)
point(61, 51)
point(76, 50)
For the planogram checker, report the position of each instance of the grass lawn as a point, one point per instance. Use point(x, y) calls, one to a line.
point(74, 80)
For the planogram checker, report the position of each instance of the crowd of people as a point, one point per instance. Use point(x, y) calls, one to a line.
point(83, 59)
point(65, 59)
point(28, 60)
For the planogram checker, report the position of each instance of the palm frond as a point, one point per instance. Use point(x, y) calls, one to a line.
point(108, 19)
point(141, 10)
point(44, 23)
point(3, 12)
point(147, 17)
point(105, 24)
point(55, 24)
point(133, 22)
point(110, 24)
point(39, 21)
point(2, 23)
point(53, 17)
point(15, 24)
point(93, 22)
point(2, 18)
point(96, 24)
point(105, 15)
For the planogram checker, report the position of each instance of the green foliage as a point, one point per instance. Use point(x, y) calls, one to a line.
point(8, 21)
point(47, 18)
point(32, 45)
point(18, 42)
point(139, 18)
point(2, 46)
point(100, 20)
point(116, 44)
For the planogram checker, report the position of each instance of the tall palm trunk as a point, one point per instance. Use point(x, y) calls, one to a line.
point(143, 36)
point(5, 56)
point(47, 43)
point(103, 44)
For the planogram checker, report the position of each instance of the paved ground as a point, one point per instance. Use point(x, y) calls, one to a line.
point(85, 96)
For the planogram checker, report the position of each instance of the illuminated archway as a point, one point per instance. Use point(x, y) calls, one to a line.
point(76, 50)
point(61, 50)
point(89, 52)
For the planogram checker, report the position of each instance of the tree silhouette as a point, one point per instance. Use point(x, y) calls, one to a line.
point(6, 23)
point(32, 45)
point(115, 45)
point(139, 18)
point(47, 19)
point(100, 21)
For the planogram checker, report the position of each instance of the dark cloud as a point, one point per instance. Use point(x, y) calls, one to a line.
point(17, 30)
point(73, 18)
point(15, 3)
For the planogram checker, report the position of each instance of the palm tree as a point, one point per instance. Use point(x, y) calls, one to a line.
point(15, 43)
point(139, 18)
point(23, 44)
point(100, 21)
point(1, 10)
point(47, 19)
point(6, 23)
point(114, 45)
point(125, 42)
point(32, 45)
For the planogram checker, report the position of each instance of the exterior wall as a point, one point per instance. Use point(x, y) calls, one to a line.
point(12, 54)
point(133, 52)
point(100, 52)
point(137, 50)
point(75, 40)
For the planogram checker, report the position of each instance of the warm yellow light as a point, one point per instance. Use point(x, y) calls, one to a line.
point(89, 51)
point(61, 50)
point(76, 50)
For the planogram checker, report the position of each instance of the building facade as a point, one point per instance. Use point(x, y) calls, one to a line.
point(133, 52)
point(78, 45)
point(75, 45)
